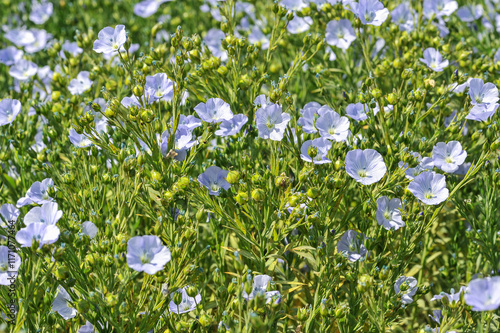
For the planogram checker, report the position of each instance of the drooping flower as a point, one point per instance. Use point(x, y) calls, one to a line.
point(159, 87)
point(23, 70)
point(214, 110)
point(452, 297)
point(340, 33)
point(41, 11)
point(332, 126)
point(389, 214)
point(483, 294)
point(406, 287)
point(38, 231)
point(429, 187)
point(81, 84)
point(89, 229)
point(48, 213)
point(37, 193)
point(315, 151)
point(232, 126)
point(260, 286)
point(10, 262)
point(147, 254)
point(433, 59)
point(448, 156)
point(352, 245)
point(365, 166)
point(214, 179)
point(186, 305)
point(10, 55)
point(370, 12)
point(110, 39)
point(61, 304)
point(9, 109)
point(271, 122)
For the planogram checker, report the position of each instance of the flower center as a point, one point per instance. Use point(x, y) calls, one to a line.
point(448, 160)
point(4, 267)
point(362, 173)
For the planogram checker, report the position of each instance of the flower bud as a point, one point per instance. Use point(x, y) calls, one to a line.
point(258, 195)
point(313, 192)
point(233, 177)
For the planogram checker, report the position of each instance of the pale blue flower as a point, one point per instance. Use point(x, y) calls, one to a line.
point(365, 166)
point(482, 112)
point(10, 55)
point(483, 294)
point(260, 285)
point(370, 12)
point(20, 37)
point(61, 304)
point(159, 87)
point(89, 229)
point(79, 140)
point(42, 37)
point(389, 213)
point(9, 109)
point(358, 111)
point(439, 8)
point(256, 36)
point(352, 245)
point(182, 142)
point(214, 179)
point(8, 212)
point(482, 93)
point(213, 40)
point(23, 70)
point(147, 8)
point(232, 126)
point(187, 304)
point(299, 24)
point(41, 11)
point(81, 84)
point(271, 122)
point(10, 262)
point(70, 47)
point(448, 156)
point(37, 193)
point(452, 297)
point(404, 16)
point(340, 33)
point(411, 288)
point(470, 13)
point(214, 111)
point(332, 126)
point(429, 187)
point(321, 146)
point(38, 231)
point(110, 39)
point(190, 122)
point(309, 116)
point(48, 213)
point(433, 59)
point(147, 254)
